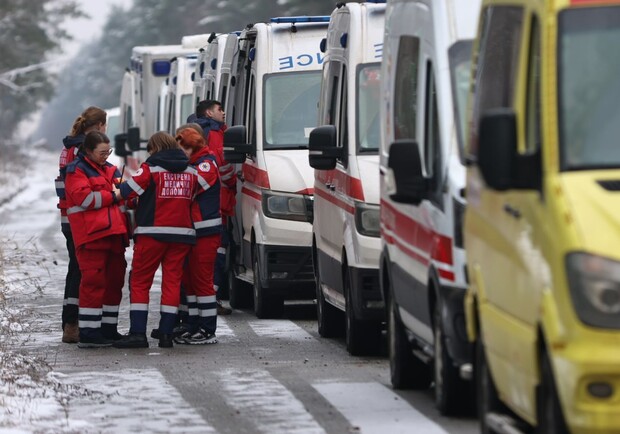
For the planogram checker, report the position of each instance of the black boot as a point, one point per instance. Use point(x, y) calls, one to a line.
point(165, 340)
point(132, 340)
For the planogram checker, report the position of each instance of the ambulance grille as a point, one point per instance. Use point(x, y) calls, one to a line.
point(610, 184)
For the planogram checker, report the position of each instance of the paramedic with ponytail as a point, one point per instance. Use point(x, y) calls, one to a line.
point(198, 273)
point(91, 119)
point(99, 231)
point(164, 234)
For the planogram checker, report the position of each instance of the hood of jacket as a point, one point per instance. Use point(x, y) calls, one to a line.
point(173, 160)
point(71, 141)
point(207, 124)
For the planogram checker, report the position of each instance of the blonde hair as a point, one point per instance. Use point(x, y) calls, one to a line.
point(161, 141)
point(89, 118)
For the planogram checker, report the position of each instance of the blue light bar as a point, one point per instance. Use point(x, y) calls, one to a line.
point(161, 68)
point(375, 1)
point(301, 19)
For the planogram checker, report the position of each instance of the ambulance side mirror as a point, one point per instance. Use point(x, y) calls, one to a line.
point(133, 138)
point(404, 160)
point(119, 145)
point(323, 151)
point(235, 147)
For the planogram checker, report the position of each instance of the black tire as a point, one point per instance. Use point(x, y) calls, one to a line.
point(264, 306)
point(487, 397)
point(406, 370)
point(329, 318)
point(362, 337)
point(550, 417)
point(450, 389)
point(240, 292)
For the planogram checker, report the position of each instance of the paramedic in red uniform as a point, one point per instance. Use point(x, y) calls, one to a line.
point(164, 234)
point(198, 273)
point(99, 232)
point(91, 119)
point(211, 117)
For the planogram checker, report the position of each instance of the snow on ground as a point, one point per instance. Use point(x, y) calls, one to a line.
point(33, 262)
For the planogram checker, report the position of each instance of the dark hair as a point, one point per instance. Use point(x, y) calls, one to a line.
point(161, 141)
point(92, 140)
point(203, 106)
point(89, 118)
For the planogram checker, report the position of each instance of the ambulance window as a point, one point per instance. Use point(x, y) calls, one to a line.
point(158, 113)
point(432, 143)
point(128, 118)
point(498, 64)
point(367, 106)
point(170, 115)
point(406, 88)
point(252, 111)
point(533, 92)
point(186, 107)
point(343, 124)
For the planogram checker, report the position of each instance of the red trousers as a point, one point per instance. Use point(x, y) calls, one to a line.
point(102, 264)
point(148, 254)
point(198, 272)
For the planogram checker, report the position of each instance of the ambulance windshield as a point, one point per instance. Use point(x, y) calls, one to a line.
point(291, 108)
point(589, 87)
point(368, 94)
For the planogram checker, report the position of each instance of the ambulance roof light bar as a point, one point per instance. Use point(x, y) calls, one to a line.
point(301, 19)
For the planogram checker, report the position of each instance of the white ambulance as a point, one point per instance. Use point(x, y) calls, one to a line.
point(203, 71)
point(179, 100)
point(275, 104)
point(344, 150)
point(425, 72)
point(140, 93)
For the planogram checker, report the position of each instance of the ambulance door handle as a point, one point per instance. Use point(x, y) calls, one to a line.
point(514, 212)
point(329, 186)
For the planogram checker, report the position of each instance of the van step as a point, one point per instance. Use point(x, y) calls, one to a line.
point(503, 424)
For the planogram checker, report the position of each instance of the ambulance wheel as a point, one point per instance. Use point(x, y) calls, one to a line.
point(362, 337)
point(264, 306)
point(550, 418)
point(328, 316)
point(406, 370)
point(449, 388)
point(239, 292)
point(487, 397)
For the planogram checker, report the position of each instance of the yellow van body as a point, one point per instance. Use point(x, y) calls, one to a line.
point(544, 248)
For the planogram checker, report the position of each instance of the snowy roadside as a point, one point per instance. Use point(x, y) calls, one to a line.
point(32, 397)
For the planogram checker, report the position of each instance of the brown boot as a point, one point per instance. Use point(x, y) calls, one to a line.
point(223, 310)
point(71, 333)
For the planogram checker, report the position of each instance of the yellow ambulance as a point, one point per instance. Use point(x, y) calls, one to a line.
point(542, 225)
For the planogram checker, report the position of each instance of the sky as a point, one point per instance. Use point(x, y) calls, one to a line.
point(87, 29)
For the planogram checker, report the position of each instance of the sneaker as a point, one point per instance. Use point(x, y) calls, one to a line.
point(71, 333)
point(132, 340)
point(201, 337)
point(223, 310)
point(183, 339)
point(98, 342)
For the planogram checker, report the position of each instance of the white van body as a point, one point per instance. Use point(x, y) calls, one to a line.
point(346, 205)
point(425, 71)
point(140, 92)
point(275, 102)
point(179, 100)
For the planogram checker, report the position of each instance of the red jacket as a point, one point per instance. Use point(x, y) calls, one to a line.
point(92, 209)
point(166, 186)
point(67, 155)
point(214, 134)
point(206, 207)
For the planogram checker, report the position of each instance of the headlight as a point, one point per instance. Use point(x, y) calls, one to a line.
point(287, 206)
point(595, 289)
point(367, 219)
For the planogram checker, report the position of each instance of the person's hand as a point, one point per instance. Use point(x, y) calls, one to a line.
point(117, 192)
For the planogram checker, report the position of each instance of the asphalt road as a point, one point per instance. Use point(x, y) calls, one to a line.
point(264, 376)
